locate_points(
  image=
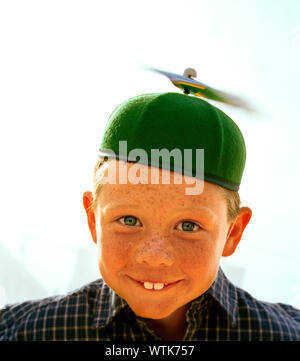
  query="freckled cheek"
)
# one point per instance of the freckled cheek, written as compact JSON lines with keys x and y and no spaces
{"x":114,"y":250}
{"x":196,"y":256}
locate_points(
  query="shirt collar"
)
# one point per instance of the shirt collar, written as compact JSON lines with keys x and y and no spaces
{"x":225,"y":293}
{"x":109,"y":304}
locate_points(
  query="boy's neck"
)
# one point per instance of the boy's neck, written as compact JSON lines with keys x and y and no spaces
{"x":171,"y":328}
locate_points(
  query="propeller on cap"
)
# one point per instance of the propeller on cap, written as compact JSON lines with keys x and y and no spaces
{"x":189,"y":85}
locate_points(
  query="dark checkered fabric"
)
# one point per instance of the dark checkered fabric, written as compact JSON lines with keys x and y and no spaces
{"x":95,"y":312}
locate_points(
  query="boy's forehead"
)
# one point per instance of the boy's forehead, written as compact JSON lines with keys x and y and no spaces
{"x":160,"y":194}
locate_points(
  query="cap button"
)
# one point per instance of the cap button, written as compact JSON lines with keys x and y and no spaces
{"x":190,"y":73}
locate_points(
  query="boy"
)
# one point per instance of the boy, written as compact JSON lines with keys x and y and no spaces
{"x":160,"y":239}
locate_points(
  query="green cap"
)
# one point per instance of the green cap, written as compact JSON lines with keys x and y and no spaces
{"x":178,"y":121}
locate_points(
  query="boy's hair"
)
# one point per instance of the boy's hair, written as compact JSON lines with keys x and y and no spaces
{"x":232,"y":197}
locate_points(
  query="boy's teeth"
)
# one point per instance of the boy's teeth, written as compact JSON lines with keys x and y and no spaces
{"x":148,"y":285}
{"x":156,"y":286}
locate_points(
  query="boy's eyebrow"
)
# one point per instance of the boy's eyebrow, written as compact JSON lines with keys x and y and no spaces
{"x":206,"y":212}
{"x":115,"y":205}
{"x":205,"y":209}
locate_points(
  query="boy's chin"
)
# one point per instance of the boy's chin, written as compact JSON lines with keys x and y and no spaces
{"x":155,"y":312}
{"x":152,"y":315}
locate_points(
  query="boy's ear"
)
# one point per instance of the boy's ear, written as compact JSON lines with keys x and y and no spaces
{"x":87,"y":203}
{"x":236,"y":230}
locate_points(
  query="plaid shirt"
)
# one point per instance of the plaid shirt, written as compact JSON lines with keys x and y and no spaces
{"x":95,"y":312}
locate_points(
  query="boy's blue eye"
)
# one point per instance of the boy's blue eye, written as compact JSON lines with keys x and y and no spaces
{"x":129,"y":220}
{"x":188,"y":226}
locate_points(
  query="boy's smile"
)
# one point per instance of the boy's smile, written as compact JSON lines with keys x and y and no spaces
{"x":155,"y":285}
{"x":159,"y":248}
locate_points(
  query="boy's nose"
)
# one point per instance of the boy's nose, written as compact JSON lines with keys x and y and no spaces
{"x":155,"y":253}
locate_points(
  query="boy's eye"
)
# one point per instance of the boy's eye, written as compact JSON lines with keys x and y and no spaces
{"x":188,"y":226}
{"x":129,"y":221}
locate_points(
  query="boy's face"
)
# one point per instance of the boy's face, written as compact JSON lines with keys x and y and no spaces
{"x":158,"y":234}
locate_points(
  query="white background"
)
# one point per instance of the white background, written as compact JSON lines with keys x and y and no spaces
{"x":64,"y":67}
